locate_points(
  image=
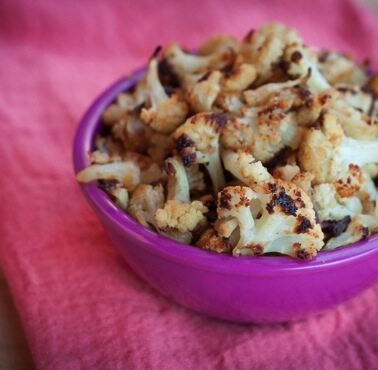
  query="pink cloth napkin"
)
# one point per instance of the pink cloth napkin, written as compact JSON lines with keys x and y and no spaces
{"x":80,"y":304}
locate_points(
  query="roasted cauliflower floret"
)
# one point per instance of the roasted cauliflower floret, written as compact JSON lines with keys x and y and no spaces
{"x":261,"y":95}
{"x":197,"y":142}
{"x":245,"y":167}
{"x":126,"y":172}
{"x":210,"y":240}
{"x":357,"y":113}
{"x":340,"y":69}
{"x":202,"y":95}
{"x":301,"y":62}
{"x":118,"y":193}
{"x":356,"y":230}
{"x":181,"y":179}
{"x":164,"y":113}
{"x":144,"y":202}
{"x":178,"y":220}
{"x":185,"y":63}
{"x":132,"y":132}
{"x":336,"y":212}
{"x":263,"y":131}
{"x":294,"y":174}
{"x":273,"y":217}
{"x":264,"y":48}
{"x":335,"y":158}
{"x":218,"y":44}
{"x":329,"y":205}
{"x":238,"y":78}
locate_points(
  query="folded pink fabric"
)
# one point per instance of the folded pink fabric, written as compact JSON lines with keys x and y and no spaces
{"x":81,"y":306}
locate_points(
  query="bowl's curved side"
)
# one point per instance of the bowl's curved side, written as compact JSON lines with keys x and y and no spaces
{"x":255,"y":297}
{"x":261,"y":289}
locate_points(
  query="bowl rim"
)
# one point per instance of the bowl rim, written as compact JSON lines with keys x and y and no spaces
{"x":186,"y":254}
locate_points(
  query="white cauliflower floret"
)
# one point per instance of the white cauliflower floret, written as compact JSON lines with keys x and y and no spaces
{"x":144,"y":202}
{"x":338,"y":68}
{"x":230,"y":102}
{"x":185,"y":63}
{"x":329,"y":205}
{"x":264,"y":48}
{"x":245,"y":167}
{"x":335,"y":158}
{"x":165,"y":113}
{"x":260,"y":95}
{"x":132,"y":132}
{"x":210,"y":240}
{"x":197,"y":142}
{"x":239,"y":78}
{"x":113,"y":114}
{"x":202,"y":95}
{"x":121,"y":196}
{"x":273,"y":217}
{"x":179,"y":220}
{"x":356,"y":112}
{"x":294,"y":174}
{"x":263,"y":131}
{"x":159,"y":147}
{"x":356,"y":230}
{"x":125,"y":172}
{"x":181,"y":180}
{"x":218,"y":44}
{"x":343,"y":220}
{"x":301,"y":62}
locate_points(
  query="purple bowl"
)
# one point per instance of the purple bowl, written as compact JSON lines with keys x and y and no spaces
{"x":240,"y":289}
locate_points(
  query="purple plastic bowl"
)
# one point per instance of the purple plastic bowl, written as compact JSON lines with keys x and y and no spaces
{"x":240,"y":289}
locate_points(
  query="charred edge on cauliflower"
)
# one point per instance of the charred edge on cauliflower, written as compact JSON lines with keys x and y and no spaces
{"x":333,"y":228}
{"x":282,"y":200}
{"x":301,"y":253}
{"x":211,"y":204}
{"x":218,"y":120}
{"x":296,"y":56}
{"x":304,"y":224}
{"x":168,"y":77}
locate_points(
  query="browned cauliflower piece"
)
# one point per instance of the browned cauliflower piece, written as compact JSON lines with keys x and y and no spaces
{"x":181,"y":180}
{"x":188,"y":64}
{"x":218,"y":44}
{"x":165,"y":112}
{"x":339,"y":68}
{"x":132,"y":132}
{"x":197,"y":142}
{"x":357,"y":112}
{"x":335,"y":158}
{"x":144,"y":202}
{"x":302,"y":62}
{"x":210,"y":240}
{"x":245,"y":167}
{"x":265,"y":47}
{"x":293,"y":173}
{"x":239,"y":78}
{"x":276,"y":216}
{"x":125,"y":172}
{"x":263,"y":131}
{"x":178,"y":220}
{"x":201,"y":96}
{"x":355,"y":231}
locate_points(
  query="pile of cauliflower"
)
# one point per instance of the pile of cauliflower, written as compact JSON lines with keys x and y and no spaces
{"x":252,"y":147}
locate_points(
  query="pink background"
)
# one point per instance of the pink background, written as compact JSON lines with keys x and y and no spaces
{"x":81,"y":306}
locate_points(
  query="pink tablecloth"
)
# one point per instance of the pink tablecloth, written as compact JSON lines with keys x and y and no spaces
{"x":81,"y":306}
